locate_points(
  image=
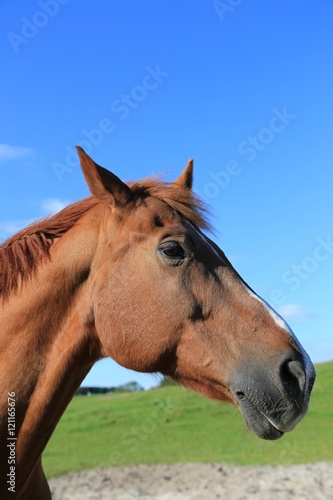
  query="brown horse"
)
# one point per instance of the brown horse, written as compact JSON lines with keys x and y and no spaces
{"x":128,"y":273}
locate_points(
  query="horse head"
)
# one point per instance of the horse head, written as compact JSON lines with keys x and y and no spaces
{"x":165,"y":298}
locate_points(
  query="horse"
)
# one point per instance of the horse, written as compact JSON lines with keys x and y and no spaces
{"x":130,"y":273}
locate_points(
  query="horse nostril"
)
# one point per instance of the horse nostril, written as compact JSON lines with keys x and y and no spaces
{"x":296,"y":369}
{"x":293,"y":375}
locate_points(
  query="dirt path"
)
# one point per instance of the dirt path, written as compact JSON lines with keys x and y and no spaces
{"x":198,"y":481}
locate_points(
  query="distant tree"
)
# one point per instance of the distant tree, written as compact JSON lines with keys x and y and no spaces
{"x":88,"y":391}
{"x":130,"y":387}
{"x":166,"y":382}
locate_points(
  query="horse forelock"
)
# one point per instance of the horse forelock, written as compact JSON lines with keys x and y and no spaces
{"x":21,"y":254}
{"x":186,"y":203}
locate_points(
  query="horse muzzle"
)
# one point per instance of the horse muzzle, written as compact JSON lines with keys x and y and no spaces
{"x":274,"y":399}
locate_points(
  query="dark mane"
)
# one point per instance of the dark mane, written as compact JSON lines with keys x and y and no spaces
{"x":20,"y":254}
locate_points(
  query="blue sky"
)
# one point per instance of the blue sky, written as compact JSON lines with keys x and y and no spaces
{"x":243,"y":87}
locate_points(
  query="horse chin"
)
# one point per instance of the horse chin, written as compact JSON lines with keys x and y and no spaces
{"x":259,"y":423}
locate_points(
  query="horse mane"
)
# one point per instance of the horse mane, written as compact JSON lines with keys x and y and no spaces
{"x":21,"y":253}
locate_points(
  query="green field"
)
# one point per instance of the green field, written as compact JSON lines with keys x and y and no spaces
{"x":172,"y":424}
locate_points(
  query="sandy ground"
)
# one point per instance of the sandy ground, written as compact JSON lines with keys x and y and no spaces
{"x":197,"y":481}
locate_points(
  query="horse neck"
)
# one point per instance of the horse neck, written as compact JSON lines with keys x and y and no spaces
{"x":48,"y":344}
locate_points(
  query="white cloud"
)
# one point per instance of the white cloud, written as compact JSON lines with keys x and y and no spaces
{"x":53,"y":205}
{"x":49,"y":206}
{"x":8,"y":152}
{"x":294,"y":311}
{"x":8,"y":228}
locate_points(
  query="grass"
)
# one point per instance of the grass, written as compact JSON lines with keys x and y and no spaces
{"x":174,"y":425}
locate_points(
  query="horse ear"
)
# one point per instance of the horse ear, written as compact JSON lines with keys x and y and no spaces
{"x":185,"y":180}
{"x":104,"y":185}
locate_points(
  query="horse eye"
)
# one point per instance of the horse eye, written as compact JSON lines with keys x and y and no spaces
{"x":172,"y":250}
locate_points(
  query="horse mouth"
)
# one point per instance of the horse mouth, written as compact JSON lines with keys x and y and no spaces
{"x":257,"y":419}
